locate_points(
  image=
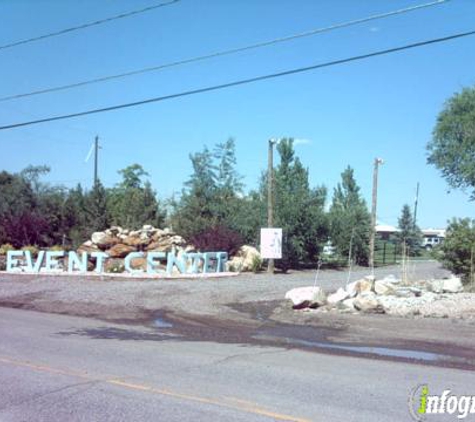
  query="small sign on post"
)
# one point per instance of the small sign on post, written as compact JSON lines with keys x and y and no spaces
{"x":271,"y":243}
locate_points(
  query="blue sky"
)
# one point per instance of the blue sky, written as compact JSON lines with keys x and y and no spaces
{"x":383,"y":107}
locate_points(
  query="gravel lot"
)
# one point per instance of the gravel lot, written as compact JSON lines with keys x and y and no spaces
{"x":234,"y":309}
{"x":125,"y":298}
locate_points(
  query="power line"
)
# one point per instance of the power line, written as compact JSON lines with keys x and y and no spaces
{"x":242,"y":81}
{"x":87,"y":25}
{"x":224,"y":52}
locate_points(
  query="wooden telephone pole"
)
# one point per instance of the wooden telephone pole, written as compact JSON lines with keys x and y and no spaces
{"x":270,"y":195}
{"x":377,"y":162}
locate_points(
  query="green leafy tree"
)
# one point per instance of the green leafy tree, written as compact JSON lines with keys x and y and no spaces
{"x":409,"y":234}
{"x":133,"y":202}
{"x":452,"y":148}
{"x":75,"y":217}
{"x":97,"y":215}
{"x":299,"y":210}
{"x":458,"y":248}
{"x":349,"y":219}
{"x":195,"y":210}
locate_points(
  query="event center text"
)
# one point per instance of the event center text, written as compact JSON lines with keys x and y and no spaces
{"x":156,"y":262}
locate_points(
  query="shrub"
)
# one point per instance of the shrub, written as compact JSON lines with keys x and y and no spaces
{"x":115,"y":267}
{"x":5,"y":248}
{"x":56,"y":248}
{"x":458,"y":249}
{"x":256,"y":265}
{"x":33,"y":249}
{"x":218,"y":239}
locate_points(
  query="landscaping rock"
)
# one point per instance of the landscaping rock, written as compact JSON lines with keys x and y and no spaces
{"x":339,"y":296}
{"x":103,"y":240}
{"x":452,"y":285}
{"x":351,"y":289}
{"x":245,"y":259}
{"x":382,"y":287}
{"x":365,"y":285}
{"x":368,"y":303}
{"x":120,"y":250}
{"x":306,"y":297}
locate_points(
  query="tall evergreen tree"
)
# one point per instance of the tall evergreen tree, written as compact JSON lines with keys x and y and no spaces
{"x":409,"y":234}
{"x":349,"y":219}
{"x":133,"y":203}
{"x":299,"y":210}
{"x":195,"y":211}
{"x":97,"y":215}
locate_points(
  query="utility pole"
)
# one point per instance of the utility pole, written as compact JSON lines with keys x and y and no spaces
{"x":377,"y":162}
{"x":96,"y":153}
{"x":270,"y":195}
{"x":415,"y":205}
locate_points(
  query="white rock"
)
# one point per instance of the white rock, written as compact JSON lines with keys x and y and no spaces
{"x":351,"y":289}
{"x":244,"y":259}
{"x":349,"y":303}
{"x":147,"y":227}
{"x":98,"y":237}
{"x":306,"y":296}
{"x":437,"y":286}
{"x":382,"y":287}
{"x":338,"y":296}
{"x":452,"y":285}
{"x":368,"y":302}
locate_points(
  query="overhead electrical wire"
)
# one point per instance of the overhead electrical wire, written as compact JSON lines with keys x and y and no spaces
{"x":242,"y":81}
{"x":225,"y":52}
{"x":87,"y":25}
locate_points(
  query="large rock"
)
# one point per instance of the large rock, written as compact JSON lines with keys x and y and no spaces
{"x":135,"y":240}
{"x":339,"y":296}
{"x":349,"y":304}
{"x":103,"y":240}
{"x":245,"y":259}
{"x":367,"y":302}
{"x":351,"y":289}
{"x":436,"y":286}
{"x":452,"y":285}
{"x":306,"y":297}
{"x":88,"y":247}
{"x":382,"y":287}
{"x":120,"y":250}
{"x":365,"y":285}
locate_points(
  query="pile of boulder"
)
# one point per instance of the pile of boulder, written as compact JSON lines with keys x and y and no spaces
{"x":118,"y":243}
{"x":388,"y":295}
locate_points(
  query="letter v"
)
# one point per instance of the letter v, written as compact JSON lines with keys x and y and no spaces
{"x":29,"y":261}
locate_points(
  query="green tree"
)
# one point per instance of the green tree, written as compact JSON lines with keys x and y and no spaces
{"x":409,"y":234}
{"x":349,"y":219}
{"x":458,"y":248}
{"x":195,"y":210}
{"x":133,"y":202}
{"x":97,"y":215}
{"x":75,"y":217}
{"x":452,"y":148}
{"x":299,"y":210}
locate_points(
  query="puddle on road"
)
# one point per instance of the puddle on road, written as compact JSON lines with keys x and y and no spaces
{"x":162,"y":323}
{"x":367,"y":350}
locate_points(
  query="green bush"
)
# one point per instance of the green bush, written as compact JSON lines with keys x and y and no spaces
{"x":256,"y":265}
{"x":458,"y":249}
{"x":33,"y":249}
{"x":5,"y":248}
{"x":116,"y":268}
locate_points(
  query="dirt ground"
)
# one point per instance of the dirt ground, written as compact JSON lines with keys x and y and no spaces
{"x":250,"y":308}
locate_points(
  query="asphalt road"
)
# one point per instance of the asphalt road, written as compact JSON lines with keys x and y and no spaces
{"x":64,"y":368}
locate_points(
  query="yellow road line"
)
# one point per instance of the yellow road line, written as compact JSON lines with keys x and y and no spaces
{"x":240,"y":405}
